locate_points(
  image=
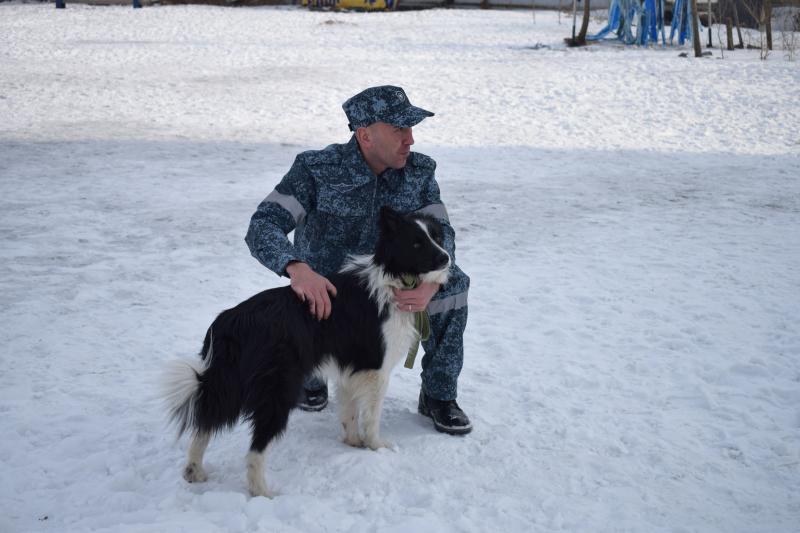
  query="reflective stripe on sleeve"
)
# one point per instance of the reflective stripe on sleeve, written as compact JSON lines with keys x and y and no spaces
{"x":449,"y":303}
{"x":289,"y":203}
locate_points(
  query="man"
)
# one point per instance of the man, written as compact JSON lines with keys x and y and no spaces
{"x":330,"y":198}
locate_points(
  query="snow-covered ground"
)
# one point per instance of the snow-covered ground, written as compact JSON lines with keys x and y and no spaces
{"x":630,"y":220}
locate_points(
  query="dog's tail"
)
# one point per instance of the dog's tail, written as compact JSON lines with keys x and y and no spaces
{"x":181,"y":388}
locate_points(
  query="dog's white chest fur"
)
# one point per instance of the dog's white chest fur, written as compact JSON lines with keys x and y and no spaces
{"x":398,"y":334}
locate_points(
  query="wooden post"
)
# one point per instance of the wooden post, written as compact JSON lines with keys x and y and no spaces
{"x":695,"y":21}
{"x":729,"y":31}
{"x":708,"y":21}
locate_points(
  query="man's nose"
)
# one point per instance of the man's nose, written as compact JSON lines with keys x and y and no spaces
{"x":409,"y":140}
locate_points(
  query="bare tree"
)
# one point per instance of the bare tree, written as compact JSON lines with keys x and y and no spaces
{"x":580,"y":39}
{"x":788,"y":21}
{"x":760,"y":11}
{"x":738,"y":24}
{"x":768,"y":21}
{"x":585,"y":22}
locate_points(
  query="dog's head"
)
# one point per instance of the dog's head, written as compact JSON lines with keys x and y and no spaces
{"x":412,"y":244}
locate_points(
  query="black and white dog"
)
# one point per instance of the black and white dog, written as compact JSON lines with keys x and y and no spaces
{"x":256,"y":355}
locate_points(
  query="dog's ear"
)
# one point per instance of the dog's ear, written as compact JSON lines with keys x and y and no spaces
{"x":390,"y":220}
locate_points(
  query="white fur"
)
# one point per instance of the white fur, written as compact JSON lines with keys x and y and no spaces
{"x":179,"y":386}
{"x":360,"y":396}
{"x":255,"y":475}
{"x":379,"y":283}
{"x":435,"y":276}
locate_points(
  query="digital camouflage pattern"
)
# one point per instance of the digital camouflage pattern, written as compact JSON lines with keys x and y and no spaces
{"x":331,"y":199}
{"x":386,"y":103}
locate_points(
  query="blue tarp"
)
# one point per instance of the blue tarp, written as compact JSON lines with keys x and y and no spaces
{"x":639,"y":22}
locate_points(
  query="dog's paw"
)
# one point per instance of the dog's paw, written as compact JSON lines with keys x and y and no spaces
{"x":194,"y":473}
{"x":376,"y":444}
{"x":355,"y":442}
{"x":260,"y":489}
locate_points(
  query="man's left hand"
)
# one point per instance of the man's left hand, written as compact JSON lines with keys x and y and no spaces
{"x":417,"y":299}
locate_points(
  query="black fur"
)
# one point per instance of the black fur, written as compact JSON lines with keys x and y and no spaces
{"x":262,"y":349}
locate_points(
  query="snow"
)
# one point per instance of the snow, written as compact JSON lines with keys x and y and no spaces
{"x":629,"y":219}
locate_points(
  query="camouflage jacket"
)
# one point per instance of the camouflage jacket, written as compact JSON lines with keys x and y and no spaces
{"x":331,"y":199}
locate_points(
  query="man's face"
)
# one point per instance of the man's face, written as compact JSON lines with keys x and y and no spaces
{"x":390,"y":146}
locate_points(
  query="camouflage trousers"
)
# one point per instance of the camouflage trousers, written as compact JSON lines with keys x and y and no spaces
{"x":444,"y":349}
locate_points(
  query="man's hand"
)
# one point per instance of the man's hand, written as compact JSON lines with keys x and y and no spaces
{"x":417,"y":299}
{"x":312,"y":288}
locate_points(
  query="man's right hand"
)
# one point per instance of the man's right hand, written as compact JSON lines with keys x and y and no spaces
{"x":312,"y":288}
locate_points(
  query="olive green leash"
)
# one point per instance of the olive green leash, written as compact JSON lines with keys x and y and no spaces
{"x":422,"y":322}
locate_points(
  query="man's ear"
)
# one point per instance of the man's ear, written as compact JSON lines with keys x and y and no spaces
{"x":363,"y":136}
{"x":389,"y":220}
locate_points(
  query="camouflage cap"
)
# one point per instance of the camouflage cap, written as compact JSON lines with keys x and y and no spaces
{"x":386,"y":103}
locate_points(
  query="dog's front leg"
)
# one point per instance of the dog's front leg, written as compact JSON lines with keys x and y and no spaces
{"x":371,"y":408}
{"x":348,"y":413}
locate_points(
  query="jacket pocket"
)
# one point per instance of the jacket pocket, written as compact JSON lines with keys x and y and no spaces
{"x":342,"y":223}
{"x":339,"y":200}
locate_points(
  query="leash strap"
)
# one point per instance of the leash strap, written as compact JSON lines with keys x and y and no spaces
{"x":422,"y":323}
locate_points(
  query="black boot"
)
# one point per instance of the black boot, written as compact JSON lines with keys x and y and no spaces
{"x":313,"y":400}
{"x":446,"y":414}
